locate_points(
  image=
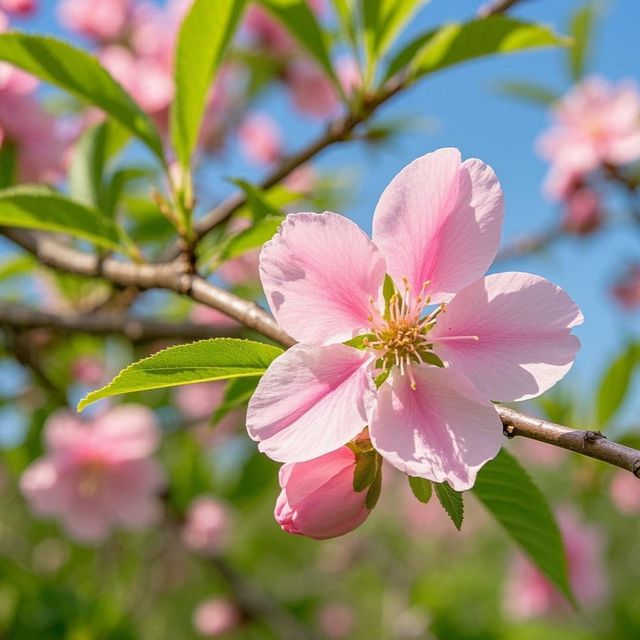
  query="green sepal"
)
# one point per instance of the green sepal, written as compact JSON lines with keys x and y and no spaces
{"x":421,"y":487}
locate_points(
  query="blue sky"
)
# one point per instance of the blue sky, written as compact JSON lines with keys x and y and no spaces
{"x":467,"y":112}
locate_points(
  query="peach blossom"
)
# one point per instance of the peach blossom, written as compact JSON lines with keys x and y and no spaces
{"x":625,"y":492}
{"x":208,"y":526}
{"x":215,"y":617}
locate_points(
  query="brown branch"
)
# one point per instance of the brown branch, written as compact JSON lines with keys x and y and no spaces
{"x":134,"y":329}
{"x":169,"y":275}
{"x":588,"y":443}
{"x":165,"y":276}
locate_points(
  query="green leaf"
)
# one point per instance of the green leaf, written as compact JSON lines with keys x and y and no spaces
{"x":461,"y":42}
{"x":204,"y":37}
{"x":236,"y":393}
{"x":451,"y":501}
{"x":580,"y":30}
{"x":374,"y":490}
{"x":421,"y":487}
{"x":366,"y":469}
{"x":33,"y":207}
{"x":383,"y":20}
{"x":529,"y":92}
{"x":260,"y":202}
{"x":347,"y":21}
{"x":91,"y":155}
{"x":8,"y":164}
{"x":508,"y":492}
{"x":15,"y":267}
{"x":203,"y":361}
{"x":301,"y":23}
{"x":79,"y":73}
{"x":615,"y":383}
{"x":251,"y":238}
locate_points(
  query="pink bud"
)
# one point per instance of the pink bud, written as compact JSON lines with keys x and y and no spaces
{"x":208,"y":526}
{"x":318,"y":499}
{"x":311,"y":90}
{"x":627,"y":290}
{"x":582,"y":212}
{"x":215,"y":617}
{"x":101,"y":20}
{"x":19,"y":7}
{"x":336,"y":621}
{"x":625,"y":493}
{"x":87,"y":370}
{"x":260,"y":139}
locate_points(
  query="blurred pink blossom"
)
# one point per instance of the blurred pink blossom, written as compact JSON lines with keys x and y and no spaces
{"x":98,"y":475}
{"x":202,"y":314}
{"x":529,"y":594}
{"x":19,"y":7}
{"x":242,"y":270}
{"x":318,"y":499}
{"x":208,"y":526}
{"x":215,"y":617}
{"x":101,"y":20}
{"x":625,"y":493}
{"x":336,"y":621}
{"x":87,"y":370}
{"x":40,"y":140}
{"x":312,"y":91}
{"x":595,"y":124}
{"x":147,"y":79}
{"x":260,"y":139}
{"x":583,"y":212}
{"x":626,"y":291}
{"x":199,"y":400}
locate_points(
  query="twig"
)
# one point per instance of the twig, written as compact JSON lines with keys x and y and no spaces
{"x":165,"y":276}
{"x":134,"y":329}
{"x":588,"y":443}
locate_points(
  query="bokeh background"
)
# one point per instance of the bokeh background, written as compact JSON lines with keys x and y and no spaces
{"x":406,"y":573}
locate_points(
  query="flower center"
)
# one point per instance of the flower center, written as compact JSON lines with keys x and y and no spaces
{"x":400,"y":334}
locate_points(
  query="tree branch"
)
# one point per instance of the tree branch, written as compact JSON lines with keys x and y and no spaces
{"x":167,"y":276}
{"x":588,"y":443}
{"x":134,"y":329}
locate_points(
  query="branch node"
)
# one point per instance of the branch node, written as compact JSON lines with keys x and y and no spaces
{"x":509,"y":431}
{"x":636,"y":468}
{"x":591,"y":437}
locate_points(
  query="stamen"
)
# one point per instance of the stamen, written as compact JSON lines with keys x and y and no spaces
{"x":450,"y":338}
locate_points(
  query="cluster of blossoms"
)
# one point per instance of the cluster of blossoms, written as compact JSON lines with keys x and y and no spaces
{"x":402,"y":335}
{"x":596,"y":128}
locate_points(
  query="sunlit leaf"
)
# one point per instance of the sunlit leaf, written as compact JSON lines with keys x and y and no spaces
{"x":615,"y":383}
{"x":508,"y":492}
{"x":461,"y":42}
{"x":203,"y":361}
{"x":79,"y":73}
{"x":204,"y":37}
{"x":581,"y":30}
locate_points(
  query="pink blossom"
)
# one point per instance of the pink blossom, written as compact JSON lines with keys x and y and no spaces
{"x":199,"y":400}
{"x":260,"y":139}
{"x":88,"y":370}
{"x":596,"y":123}
{"x":336,"y":621}
{"x":215,"y":617}
{"x":627,"y":290}
{"x":317,"y":498}
{"x":19,"y":7}
{"x":583,"y":212}
{"x":529,"y":594}
{"x":98,"y":475}
{"x":503,"y":337}
{"x":625,"y":493}
{"x":100,"y":20}
{"x":208,"y":526}
{"x":39,"y":139}
{"x":147,"y":79}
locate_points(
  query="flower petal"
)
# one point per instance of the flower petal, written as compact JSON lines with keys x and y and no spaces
{"x":439,"y":220}
{"x":523,"y":323}
{"x":441,"y":430}
{"x":128,"y":432}
{"x":319,"y":273}
{"x":311,"y":401}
